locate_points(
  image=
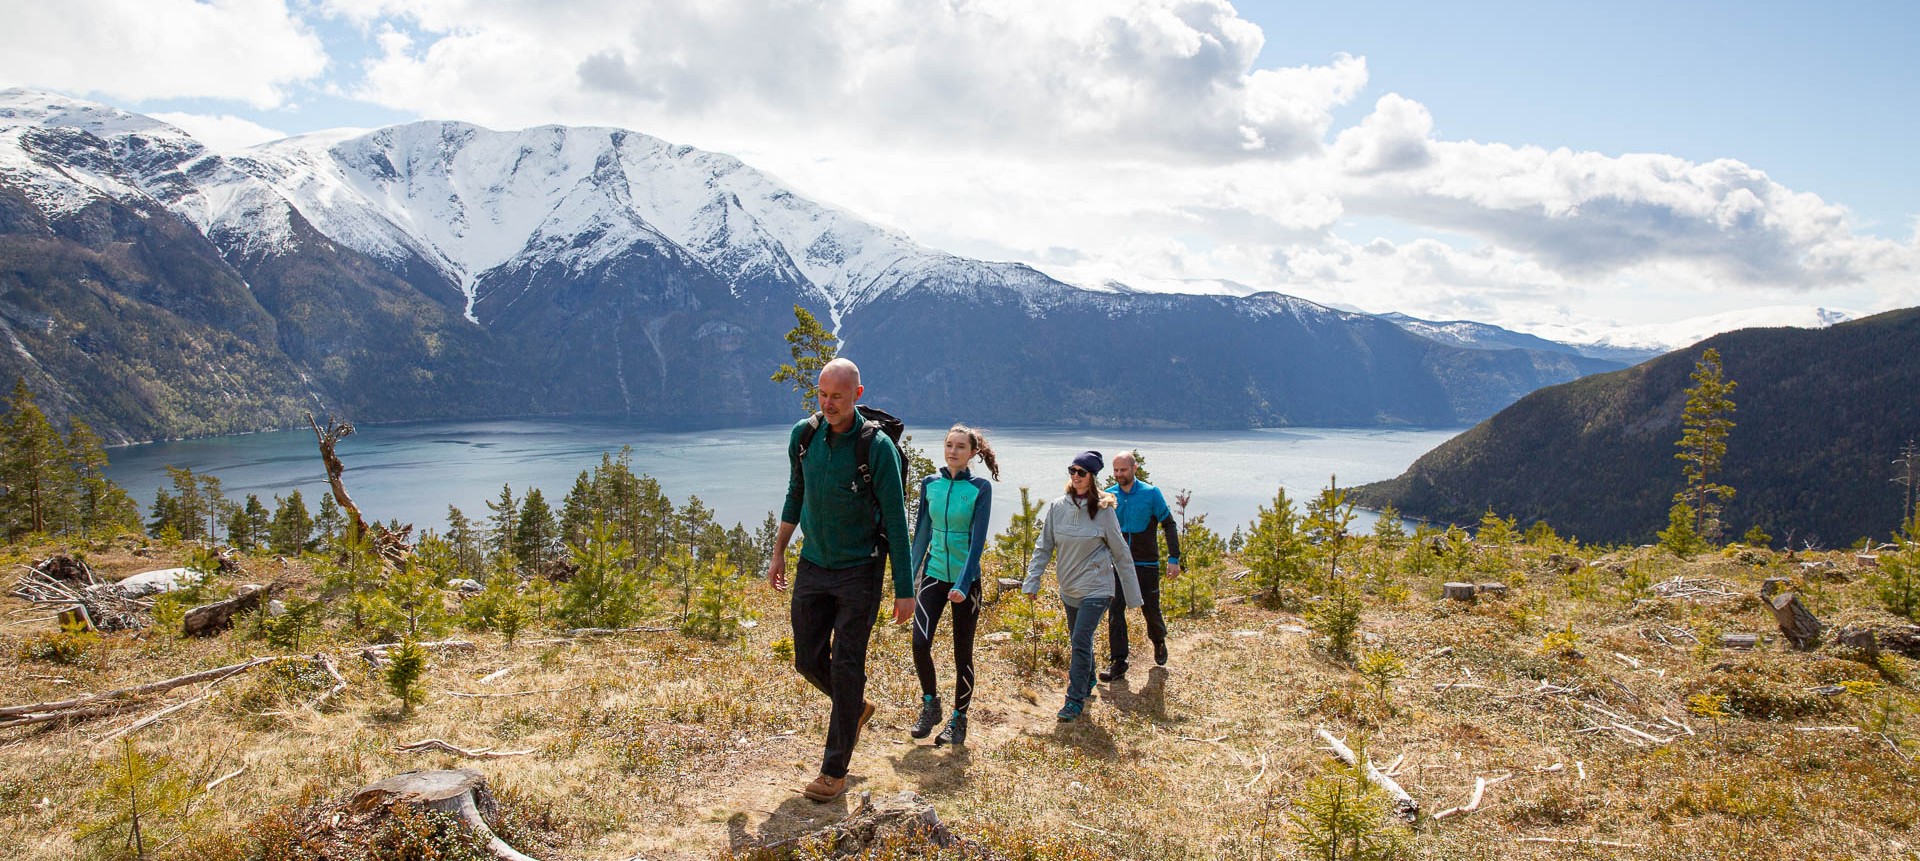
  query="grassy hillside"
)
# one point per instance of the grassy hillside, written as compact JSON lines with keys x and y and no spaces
{"x":1820,"y":415}
{"x":1581,"y":697}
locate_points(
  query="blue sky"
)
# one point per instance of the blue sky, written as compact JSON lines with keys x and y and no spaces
{"x":1557,"y":167}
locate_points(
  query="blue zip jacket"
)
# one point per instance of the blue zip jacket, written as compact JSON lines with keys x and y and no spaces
{"x":950,"y":532}
{"x":1140,"y":510}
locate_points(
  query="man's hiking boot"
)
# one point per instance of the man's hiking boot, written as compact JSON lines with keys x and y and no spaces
{"x":1160,"y":652}
{"x":1115,"y":670}
{"x":824,"y":788}
{"x":956,"y":732}
{"x":1071,"y":711}
{"x":929,"y":717}
{"x":866,"y":716}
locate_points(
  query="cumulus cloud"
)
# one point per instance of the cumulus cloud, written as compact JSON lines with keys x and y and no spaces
{"x":248,"y":51}
{"x":1167,"y":78}
{"x":221,"y":132}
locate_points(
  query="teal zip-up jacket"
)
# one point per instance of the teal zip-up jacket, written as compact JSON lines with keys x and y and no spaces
{"x":841,"y":521}
{"x":950,"y":531}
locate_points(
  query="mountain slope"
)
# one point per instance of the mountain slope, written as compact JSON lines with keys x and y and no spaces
{"x":438,"y":269}
{"x":1819,"y":416}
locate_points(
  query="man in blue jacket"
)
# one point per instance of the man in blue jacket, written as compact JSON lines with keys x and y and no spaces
{"x":1141,"y":508}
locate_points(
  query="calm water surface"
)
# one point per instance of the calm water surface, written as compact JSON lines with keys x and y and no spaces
{"x":414,"y":471}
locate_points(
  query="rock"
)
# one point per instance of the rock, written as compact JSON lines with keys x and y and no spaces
{"x":276,"y":608}
{"x":999,"y":636}
{"x":1459,"y":591}
{"x":1743,"y":642}
{"x":465,"y":586}
{"x":1497,"y":590}
{"x":1859,"y":637}
{"x":890,"y":825}
{"x":155,"y":582}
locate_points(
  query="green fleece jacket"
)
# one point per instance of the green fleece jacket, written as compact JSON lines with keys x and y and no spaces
{"x":840,"y":520}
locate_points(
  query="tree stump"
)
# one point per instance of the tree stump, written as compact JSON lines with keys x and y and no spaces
{"x":1459,"y":591}
{"x":1772,"y":587}
{"x":1859,"y":637}
{"x":209,"y":619}
{"x":1796,"y":621}
{"x":461,"y":792}
{"x":873,"y":826}
{"x":1744,"y":642}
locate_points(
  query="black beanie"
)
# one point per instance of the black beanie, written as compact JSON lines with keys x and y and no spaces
{"x":1090,"y":461}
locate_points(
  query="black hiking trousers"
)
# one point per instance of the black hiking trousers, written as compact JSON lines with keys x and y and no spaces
{"x":833,"y":612}
{"x":1149,"y":576}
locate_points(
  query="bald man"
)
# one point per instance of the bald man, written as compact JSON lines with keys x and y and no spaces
{"x":836,"y":589}
{"x":1141,"y":507}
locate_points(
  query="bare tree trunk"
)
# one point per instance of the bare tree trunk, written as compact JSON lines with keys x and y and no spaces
{"x":391,"y":545}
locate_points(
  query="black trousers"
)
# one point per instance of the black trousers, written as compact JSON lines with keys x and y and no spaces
{"x":928,"y":604}
{"x":833,"y":613}
{"x":1117,"y":650}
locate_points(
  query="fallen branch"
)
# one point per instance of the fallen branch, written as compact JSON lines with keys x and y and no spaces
{"x":224,"y":778}
{"x":1581,"y":766}
{"x":1473,"y":802}
{"x":7,"y":712}
{"x":1404,"y":805}
{"x":465,"y":695}
{"x":1090,"y":828}
{"x":1826,"y":729}
{"x":477,"y":753}
{"x":1579,"y":842}
{"x":375,"y":655}
{"x":339,"y":682}
{"x":1648,"y":736}
{"x":490,"y":678}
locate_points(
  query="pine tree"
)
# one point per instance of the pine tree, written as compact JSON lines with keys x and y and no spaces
{"x":183,"y":511}
{"x":34,"y":468}
{"x":1388,"y":530}
{"x":292,"y":528}
{"x":406,"y":674}
{"x":504,"y":521}
{"x":101,"y":507}
{"x":215,"y":501}
{"x":249,"y":526}
{"x":329,"y":522}
{"x":1012,"y":548}
{"x":812,"y":347}
{"x":606,"y":592}
{"x":138,"y":797}
{"x":537,"y":531}
{"x":467,"y":551}
{"x":717,"y":612}
{"x":1275,"y":550}
{"x":1703,"y":444}
{"x":1327,"y":521}
{"x":579,"y":509}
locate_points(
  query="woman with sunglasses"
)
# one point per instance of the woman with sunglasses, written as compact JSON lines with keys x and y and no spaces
{"x":1080,"y":534}
{"x":949,"y":534}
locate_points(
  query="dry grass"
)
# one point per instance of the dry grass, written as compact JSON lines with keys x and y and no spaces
{"x":671,"y":747}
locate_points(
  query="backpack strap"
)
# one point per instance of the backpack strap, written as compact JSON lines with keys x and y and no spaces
{"x":806,"y":433}
{"x":863,"y":456}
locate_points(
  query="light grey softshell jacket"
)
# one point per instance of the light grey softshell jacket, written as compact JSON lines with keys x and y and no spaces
{"x":1086,"y":550}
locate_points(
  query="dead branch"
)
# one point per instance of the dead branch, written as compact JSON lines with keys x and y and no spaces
{"x":477,"y":753}
{"x":390,"y":545}
{"x":377,"y":654}
{"x":339,"y":682}
{"x":1579,"y":842}
{"x":1404,"y":805}
{"x":465,"y":695}
{"x":1473,"y":801}
{"x":224,"y":778}
{"x":138,"y":690}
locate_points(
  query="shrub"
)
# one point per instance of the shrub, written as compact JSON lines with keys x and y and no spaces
{"x":406,"y":674}
{"x":72,"y":644}
{"x":1337,"y":617}
{"x":1341,"y":817}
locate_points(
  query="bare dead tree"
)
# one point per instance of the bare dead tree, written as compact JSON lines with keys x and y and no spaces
{"x":1909,"y":464}
{"x":391,"y":545}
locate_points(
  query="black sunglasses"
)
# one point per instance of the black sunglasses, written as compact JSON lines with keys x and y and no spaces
{"x":1074,"y":470}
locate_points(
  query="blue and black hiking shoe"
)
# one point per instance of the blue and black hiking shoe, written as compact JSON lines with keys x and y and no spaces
{"x":929,"y":716}
{"x":956,"y":732}
{"x":1071,"y":711}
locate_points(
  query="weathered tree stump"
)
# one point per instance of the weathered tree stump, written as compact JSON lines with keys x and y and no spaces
{"x":1744,"y":642}
{"x":1459,"y":591}
{"x":871,"y":825}
{"x":461,"y":792}
{"x":210,"y":619}
{"x":1796,"y":621}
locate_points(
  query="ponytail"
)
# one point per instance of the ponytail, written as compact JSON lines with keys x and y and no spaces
{"x":982,"y":449}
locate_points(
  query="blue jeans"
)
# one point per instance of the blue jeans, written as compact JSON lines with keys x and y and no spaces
{"x":1082,"y":622}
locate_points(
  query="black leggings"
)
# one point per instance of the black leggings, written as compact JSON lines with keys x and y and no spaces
{"x":926,"y":615}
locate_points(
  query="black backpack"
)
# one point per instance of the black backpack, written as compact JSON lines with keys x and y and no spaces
{"x":877,"y":421}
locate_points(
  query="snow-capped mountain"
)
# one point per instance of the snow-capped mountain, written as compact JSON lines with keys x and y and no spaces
{"x":439,"y":268}
{"x":1661,"y":338}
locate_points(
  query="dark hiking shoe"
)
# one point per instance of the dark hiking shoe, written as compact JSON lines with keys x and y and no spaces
{"x":1115,"y":670}
{"x":1160,"y":652}
{"x":956,"y":732}
{"x":1071,"y":711}
{"x":929,"y":717}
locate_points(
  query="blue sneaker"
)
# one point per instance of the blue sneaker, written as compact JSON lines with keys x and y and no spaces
{"x":1071,"y":711}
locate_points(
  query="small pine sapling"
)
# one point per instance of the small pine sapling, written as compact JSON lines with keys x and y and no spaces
{"x":1337,"y":617}
{"x":1381,"y":668}
{"x":138,"y":800}
{"x":406,"y":674}
{"x":1339,"y":816}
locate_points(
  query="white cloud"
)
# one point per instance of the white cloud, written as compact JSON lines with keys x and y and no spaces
{"x":222,"y":132}
{"x":1170,"y":79}
{"x":244,"y":50}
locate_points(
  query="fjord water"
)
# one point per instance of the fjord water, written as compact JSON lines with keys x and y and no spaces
{"x":414,"y":471}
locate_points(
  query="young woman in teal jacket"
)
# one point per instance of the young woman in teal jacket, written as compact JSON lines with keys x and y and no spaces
{"x":949,"y":534}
